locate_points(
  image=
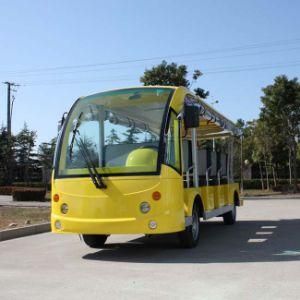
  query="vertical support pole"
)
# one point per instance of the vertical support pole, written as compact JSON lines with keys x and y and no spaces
{"x":195,"y":157}
{"x":242,"y":173}
{"x":228,"y":160}
{"x":230,"y":171}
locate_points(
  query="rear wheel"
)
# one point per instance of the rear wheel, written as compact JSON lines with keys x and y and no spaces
{"x":230,"y":217}
{"x":189,"y":238}
{"x":95,"y":240}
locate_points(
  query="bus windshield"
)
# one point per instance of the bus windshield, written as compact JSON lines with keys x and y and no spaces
{"x":118,"y":132}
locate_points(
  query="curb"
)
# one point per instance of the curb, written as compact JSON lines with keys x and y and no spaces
{"x":9,"y":234}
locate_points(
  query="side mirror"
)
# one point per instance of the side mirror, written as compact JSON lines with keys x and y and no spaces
{"x":61,"y":122}
{"x":191,"y":115}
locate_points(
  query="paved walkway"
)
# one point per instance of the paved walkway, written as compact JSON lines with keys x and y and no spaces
{"x":8,"y":201}
{"x":257,"y":258}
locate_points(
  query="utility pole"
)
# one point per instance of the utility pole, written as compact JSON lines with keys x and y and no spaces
{"x":9,"y":110}
{"x":9,"y":115}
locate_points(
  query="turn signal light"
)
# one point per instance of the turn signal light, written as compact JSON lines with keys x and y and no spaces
{"x":156,"y":195}
{"x":55,"y":197}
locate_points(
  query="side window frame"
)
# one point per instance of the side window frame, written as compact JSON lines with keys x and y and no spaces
{"x":178,"y":139}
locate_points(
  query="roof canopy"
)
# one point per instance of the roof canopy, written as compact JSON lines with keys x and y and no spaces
{"x":212,"y":123}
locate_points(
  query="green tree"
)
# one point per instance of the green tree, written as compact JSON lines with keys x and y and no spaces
{"x":24,"y":152}
{"x":131,"y":135}
{"x":262,"y":150}
{"x":45,"y":157}
{"x":6,"y":162}
{"x":46,"y":153}
{"x":173,"y":75}
{"x":112,"y":138}
{"x":281,"y":112}
{"x":247,"y":144}
{"x":247,"y":129}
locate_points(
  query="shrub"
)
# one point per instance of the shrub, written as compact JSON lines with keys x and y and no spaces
{"x":255,"y":184}
{"x":29,"y":194}
{"x":6,"y":190}
{"x":32,"y":184}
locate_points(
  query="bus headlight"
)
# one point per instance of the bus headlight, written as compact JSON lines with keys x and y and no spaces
{"x":64,"y":208}
{"x":144,"y":207}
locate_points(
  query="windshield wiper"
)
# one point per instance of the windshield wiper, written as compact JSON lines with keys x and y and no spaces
{"x":95,"y":176}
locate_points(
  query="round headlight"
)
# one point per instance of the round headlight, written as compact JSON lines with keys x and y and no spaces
{"x":64,"y":208}
{"x":144,"y":207}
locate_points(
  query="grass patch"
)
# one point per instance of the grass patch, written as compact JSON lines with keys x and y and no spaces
{"x":22,"y":215}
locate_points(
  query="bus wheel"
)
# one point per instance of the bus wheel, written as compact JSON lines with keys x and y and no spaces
{"x":230,"y":217}
{"x":95,"y":240}
{"x":190,"y":236}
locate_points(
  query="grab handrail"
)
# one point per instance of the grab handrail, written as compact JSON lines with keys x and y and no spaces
{"x":206,"y":175}
{"x":219,"y":177}
{"x":187,"y":175}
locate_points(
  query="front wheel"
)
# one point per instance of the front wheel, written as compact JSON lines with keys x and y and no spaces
{"x":189,"y":238}
{"x":230,"y":217}
{"x":95,"y":240}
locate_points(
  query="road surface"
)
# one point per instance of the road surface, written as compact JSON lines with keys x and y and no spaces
{"x":258,"y":258}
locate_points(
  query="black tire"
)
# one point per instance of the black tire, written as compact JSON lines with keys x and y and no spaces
{"x":95,"y":240}
{"x":230,"y":217}
{"x":189,"y":238}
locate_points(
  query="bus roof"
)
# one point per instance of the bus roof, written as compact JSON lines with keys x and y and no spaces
{"x":212,"y":123}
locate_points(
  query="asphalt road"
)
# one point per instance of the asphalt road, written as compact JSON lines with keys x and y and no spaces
{"x":258,"y":258}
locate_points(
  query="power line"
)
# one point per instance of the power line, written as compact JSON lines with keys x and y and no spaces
{"x":142,"y":65}
{"x":229,"y":49}
{"x":229,"y":69}
{"x":253,"y":68}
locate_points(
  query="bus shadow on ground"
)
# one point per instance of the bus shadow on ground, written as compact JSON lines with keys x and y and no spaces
{"x":246,"y":241}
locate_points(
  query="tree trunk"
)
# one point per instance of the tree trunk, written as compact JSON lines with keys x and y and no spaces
{"x":267,"y":175}
{"x":294,"y":161}
{"x":274,"y":177}
{"x":261,"y":177}
{"x":290,"y":166}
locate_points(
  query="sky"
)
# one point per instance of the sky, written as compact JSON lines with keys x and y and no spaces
{"x":60,"y":50}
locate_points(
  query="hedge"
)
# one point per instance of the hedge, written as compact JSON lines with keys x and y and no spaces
{"x":8,"y":190}
{"x":281,"y":184}
{"x":32,"y":184}
{"x":29,"y":194}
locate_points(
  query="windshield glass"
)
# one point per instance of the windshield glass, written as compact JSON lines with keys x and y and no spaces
{"x":119,"y":130}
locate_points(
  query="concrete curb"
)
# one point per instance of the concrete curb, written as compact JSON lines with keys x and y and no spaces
{"x":9,"y":234}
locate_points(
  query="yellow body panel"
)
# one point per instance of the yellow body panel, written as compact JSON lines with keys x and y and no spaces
{"x":212,"y":197}
{"x":117,"y":208}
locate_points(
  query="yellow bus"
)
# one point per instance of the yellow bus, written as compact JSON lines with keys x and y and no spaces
{"x":145,"y":160}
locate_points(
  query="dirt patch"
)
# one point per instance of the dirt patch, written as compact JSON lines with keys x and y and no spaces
{"x":22,"y":216}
